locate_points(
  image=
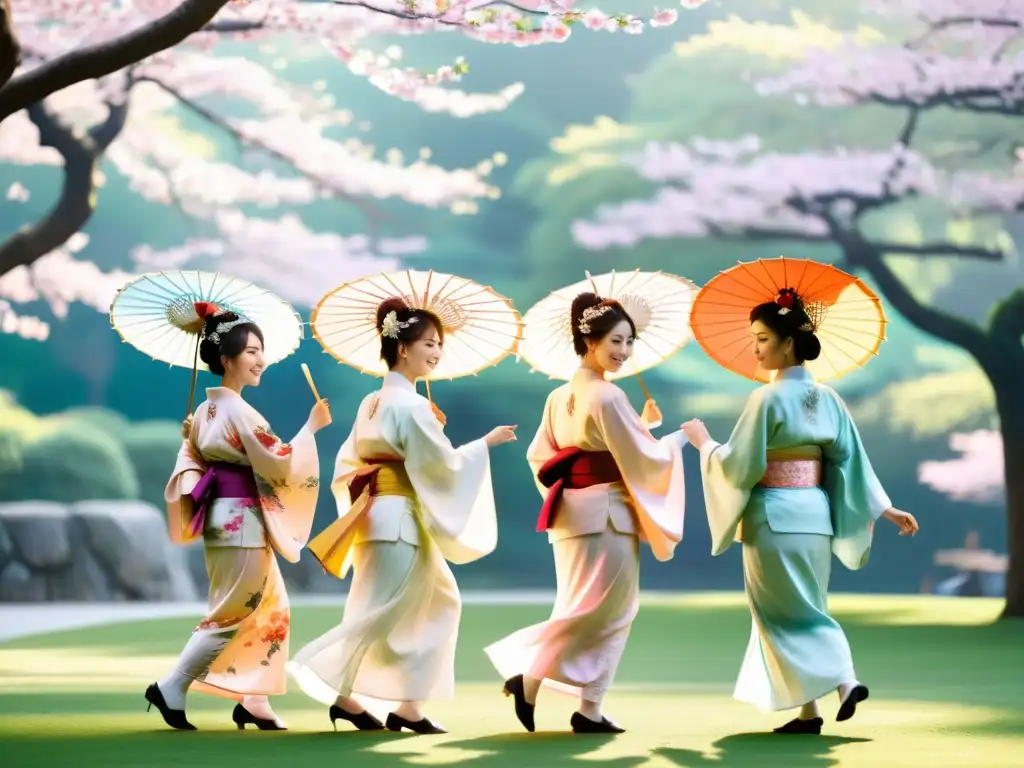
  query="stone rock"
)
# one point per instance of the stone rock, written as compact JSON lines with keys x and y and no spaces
{"x":90,"y":551}
{"x":19,"y":585}
{"x":39,"y":530}
{"x":6,"y":547}
{"x":130,"y":539}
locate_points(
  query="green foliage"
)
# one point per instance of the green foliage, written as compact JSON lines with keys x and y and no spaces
{"x":153,"y":448}
{"x":75,"y":463}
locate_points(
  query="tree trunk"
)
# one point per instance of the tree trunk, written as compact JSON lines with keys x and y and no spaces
{"x":1010,"y":406}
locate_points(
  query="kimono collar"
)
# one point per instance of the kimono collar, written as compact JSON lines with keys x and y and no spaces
{"x":393,"y":379}
{"x":795,"y":373}
{"x":214,"y":393}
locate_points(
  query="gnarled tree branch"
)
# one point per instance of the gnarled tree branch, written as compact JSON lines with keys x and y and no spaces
{"x":77,"y":200}
{"x":10,"y":50}
{"x":105,"y":58}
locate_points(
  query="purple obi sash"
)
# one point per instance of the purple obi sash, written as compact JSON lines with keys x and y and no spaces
{"x":221,"y":481}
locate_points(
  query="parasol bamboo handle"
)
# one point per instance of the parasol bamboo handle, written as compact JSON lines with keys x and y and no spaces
{"x":195,"y":372}
{"x":309,"y":380}
{"x":639,"y":378}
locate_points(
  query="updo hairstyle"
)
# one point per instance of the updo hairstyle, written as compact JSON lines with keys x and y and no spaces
{"x":228,"y":342}
{"x":411,"y":325}
{"x":608,"y":313}
{"x":787,"y":318}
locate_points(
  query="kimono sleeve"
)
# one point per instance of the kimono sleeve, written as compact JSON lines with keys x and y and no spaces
{"x":453,"y":485}
{"x":543,"y":446}
{"x":288,"y":478}
{"x":731,"y":470}
{"x":652,"y":470}
{"x":855,"y":495}
{"x":188,"y":471}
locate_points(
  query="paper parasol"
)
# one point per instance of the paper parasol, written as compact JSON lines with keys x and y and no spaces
{"x":848,"y":316}
{"x":659,"y":304}
{"x":157,"y":314}
{"x":481,"y":327}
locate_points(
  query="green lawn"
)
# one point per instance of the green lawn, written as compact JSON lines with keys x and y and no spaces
{"x":947,"y":689}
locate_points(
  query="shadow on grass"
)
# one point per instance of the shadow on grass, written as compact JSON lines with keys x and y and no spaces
{"x":353,"y":749}
{"x":763,"y":750}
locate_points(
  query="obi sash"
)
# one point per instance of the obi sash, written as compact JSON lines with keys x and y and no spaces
{"x":379,"y":477}
{"x":573,"y":468}
{"x":220,"y":481}
{"x":798,"y":467}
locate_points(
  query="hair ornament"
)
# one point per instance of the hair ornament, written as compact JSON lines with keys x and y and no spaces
{"x":391,"y":326}
{"x":589,"y":315}
{"x":223,"y":328}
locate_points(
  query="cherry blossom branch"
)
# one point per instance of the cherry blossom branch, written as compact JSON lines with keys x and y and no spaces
{"x":82,"y":154}
{"x":10,"y":51}
{"x":859,"y":252}
{"x":107,"y":57}
{"x":1007,"y":321}
{"x":373,"y":215}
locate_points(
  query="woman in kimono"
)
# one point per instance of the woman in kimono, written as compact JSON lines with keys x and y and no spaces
{"x":247,"y":494}
{"x":794,"y":485}
{"x":608,"y":485}
{"x":408,"y":502}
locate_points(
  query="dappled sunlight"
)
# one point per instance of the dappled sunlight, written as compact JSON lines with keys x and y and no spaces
{"x":94,"y":669}
{"x":775,"y":41}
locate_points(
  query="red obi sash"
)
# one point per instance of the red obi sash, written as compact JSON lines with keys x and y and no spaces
{"x":573,"y":468}
{"x":220,"y":481}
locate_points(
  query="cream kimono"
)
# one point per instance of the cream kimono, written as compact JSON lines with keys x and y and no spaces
{"x":428,"y":503}
{"x":794,"y":485}
{"x":595,"y":536}
{"x":263,"y":498}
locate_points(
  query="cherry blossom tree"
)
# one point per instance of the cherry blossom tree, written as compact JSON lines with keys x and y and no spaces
{"x":963,"y":55}
{"x":95,"y":82}
{"x":977,"y":475}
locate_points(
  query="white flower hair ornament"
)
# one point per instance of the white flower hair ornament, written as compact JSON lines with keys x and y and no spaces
{"x":391,"y":326}
{"x":223,"y":328}
{"x":589,"y":315}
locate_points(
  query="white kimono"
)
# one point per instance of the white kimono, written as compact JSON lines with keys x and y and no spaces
{"x":595,"y":536}
{"x":241,"y":647}
{"x":396,"y":640}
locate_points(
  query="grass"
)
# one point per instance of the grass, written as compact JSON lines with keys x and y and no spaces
{"x":947,"y":689}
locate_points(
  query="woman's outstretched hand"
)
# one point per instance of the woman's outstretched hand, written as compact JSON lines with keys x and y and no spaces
{"x":500,"y":435}
{"x":902,"y":520}
{"x":696,"y":433}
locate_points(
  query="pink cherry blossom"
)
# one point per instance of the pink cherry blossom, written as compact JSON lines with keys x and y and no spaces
{"x":294,"y":125}
{"x":977,"y":475}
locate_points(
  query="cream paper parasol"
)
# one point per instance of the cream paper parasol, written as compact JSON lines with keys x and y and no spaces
{"x":658,"y":302}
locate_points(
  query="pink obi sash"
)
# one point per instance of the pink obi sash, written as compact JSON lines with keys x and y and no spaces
{"x":220,"y":481}
{"x":792,"y":473}
{"x":573,"y":468}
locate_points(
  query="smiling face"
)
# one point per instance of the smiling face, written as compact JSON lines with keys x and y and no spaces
{"x":771,"y":352}
{"x":420,"y":357}
{"x":612,"y":351}
{"x":247,"y":367}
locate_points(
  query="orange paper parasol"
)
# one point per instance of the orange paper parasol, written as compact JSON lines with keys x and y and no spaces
{"x":848,"y":317}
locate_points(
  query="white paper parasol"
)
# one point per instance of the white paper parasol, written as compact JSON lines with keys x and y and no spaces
{"x":156,"y":313}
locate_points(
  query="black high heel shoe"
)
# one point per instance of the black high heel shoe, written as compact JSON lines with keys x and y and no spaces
{"x":848,"y":707}
{"x":524,"y":709}
{"x":422,"y":727}
{"x":583,"y":724}
{"x":364,"y":721}
{"x":173,"y":717}
{"x":244,"y":717}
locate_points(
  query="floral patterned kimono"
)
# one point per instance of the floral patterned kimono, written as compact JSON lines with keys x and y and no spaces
{"x":408,"y":503}
{"x":608,"y":485}
{"x":795,"y":486}
{"x":247,"y":494}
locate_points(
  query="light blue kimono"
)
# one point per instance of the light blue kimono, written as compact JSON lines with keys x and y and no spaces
{"x":797,"y":652}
